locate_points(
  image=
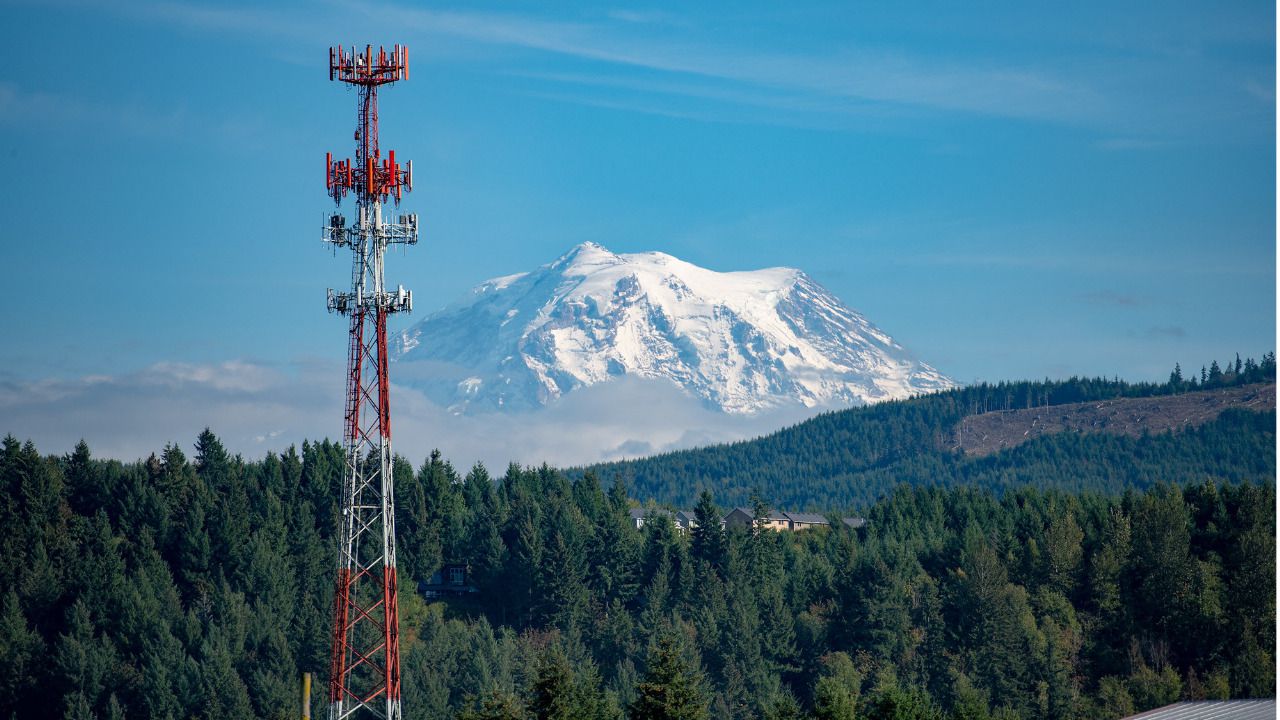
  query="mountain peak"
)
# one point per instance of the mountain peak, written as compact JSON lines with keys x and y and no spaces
{"x":741,"y":341}
{"x":584,"y":252}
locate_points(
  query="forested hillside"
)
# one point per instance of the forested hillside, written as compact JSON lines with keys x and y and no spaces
{"x":177,"y":588}
{"x":996,"y":430}
{"x":850,"y":458}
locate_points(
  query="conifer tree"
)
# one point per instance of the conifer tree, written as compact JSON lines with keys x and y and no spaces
{"x":672,"y":685}
{"x":85,"y":489}
{"x":708,"y":535}
{"x":837,"y":689}
{"x":498,"y":705}
{"x":21,"y":650}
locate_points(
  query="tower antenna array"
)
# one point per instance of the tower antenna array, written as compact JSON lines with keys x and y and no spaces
{"x":364,"y":673}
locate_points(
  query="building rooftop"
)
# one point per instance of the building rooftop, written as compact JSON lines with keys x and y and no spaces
{"x":810,"y":518}
{"x":773,"y":515}
{"x":1212,"y":710}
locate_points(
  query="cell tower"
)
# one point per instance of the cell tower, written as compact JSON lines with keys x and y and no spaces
{"x":365,"y":666}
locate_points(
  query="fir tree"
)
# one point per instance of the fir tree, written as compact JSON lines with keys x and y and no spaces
{"x":672,"y":685}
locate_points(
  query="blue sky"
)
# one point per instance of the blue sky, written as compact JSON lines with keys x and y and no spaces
{"x":1011,"y":190}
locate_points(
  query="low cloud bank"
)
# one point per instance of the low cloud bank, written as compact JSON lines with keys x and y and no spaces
{"x":255,"y":407}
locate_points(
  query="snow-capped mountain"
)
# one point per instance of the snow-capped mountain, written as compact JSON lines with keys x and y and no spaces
{"x":740,"y":341}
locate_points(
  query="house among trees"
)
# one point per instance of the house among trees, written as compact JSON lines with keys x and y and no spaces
{"x":804,"y":521}
{"x":743,"y":517}
{"x":684,"y":520}
{"x":784,"y":520}
{"x":450,"y":579}
{"x":638,"y":515}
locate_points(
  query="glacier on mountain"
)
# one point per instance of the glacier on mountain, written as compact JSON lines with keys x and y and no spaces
{"x":741,"y":342}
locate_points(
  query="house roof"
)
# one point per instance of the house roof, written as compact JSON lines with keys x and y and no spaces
{"x":809,"y":518}
{"x":1212,"y":710}
{"x":773,"y":515}
{"x":854,"y":522}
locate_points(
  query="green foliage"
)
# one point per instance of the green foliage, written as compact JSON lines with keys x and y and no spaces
{"x":1114,"y":699}
{"x":672,"y":685}
{"x":835,"y":695}
{"x":851,"y":458}
{"x":202,"y":588}
{"x":1154,"y":688}
{"x":559,"y":693}
{"x":20,"y":652}
{"x":497,"y":706}
{"x":891,"y":701}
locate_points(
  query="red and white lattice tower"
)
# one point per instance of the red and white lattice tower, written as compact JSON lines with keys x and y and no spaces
{"x":364,"y":675}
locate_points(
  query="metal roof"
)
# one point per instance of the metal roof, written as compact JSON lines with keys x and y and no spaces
{"x":1212,"y":710}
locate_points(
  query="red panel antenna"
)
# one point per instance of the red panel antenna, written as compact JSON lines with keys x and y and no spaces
{"x":364,"y":675}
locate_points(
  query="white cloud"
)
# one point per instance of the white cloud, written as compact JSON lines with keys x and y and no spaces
{"x":854,"y":74}
{"x":254,"y":408}
{"x":22,"y":106}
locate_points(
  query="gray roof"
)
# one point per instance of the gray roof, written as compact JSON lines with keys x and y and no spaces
{"x":772,"y":515}
{"x":854,"y":522}
{"x":1212,"y":710}
{"x":812,"y":518}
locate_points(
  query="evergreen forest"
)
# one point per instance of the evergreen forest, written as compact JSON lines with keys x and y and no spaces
{"x":200,"y":587}
{"x":850,"y":458}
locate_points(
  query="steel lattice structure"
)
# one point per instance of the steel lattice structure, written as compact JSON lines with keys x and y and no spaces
{"x":365,"y":666}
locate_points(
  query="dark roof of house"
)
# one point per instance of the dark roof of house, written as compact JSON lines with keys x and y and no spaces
{"x":773,"y":514}
{"x":1212,"y":710}
{"x":809,"y":518}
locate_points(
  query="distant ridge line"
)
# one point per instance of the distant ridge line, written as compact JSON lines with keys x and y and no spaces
{"x":991,"y":432}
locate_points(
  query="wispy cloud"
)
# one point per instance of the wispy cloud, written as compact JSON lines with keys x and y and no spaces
{"x":21,"y":106}
{"x":992,"y":259}
{"x":708,"y":99}
{"x":1166,"y":331}
{"x":1129,"y":143}
{"x":1265,"y":93}
{"x":255,"y":407}
{"x":1120,"y":94}
{"x":130,"y":415}
{"x":648,"y":17}
{"x":240,"y":19}
{"x":24,"y":107}
{"x":627,"y":39}
{"x":855,"y":74}
{"x":1111,"y":298}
